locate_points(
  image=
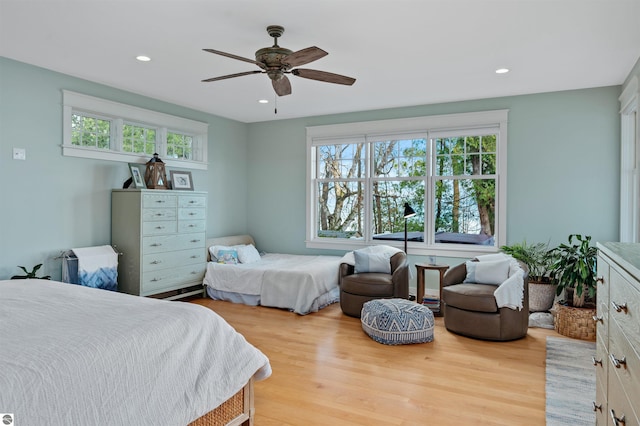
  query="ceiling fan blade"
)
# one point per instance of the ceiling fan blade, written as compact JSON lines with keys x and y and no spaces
{"x":282,"y":86}
{"x":328,"y":77}
{"x":304,"y":56}
{"x":224,"y":77}
{"x":232,"y":56}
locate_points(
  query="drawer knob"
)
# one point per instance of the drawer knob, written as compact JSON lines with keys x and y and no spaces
{"x":617,"y":420}
{"x":597,"y":407}
{"x":159,"y":227}
{"x":159,"y":214}
{"x":159,"y":201}
{"x":192,"y":202}
{"x":596,"y":361}
{"x":156,"y":279}
{"x":597,"y":318}
{"x":192,"y":226}
{"x":619,"y":308}
{"x":156,"y":262}
{"x":600,"y":279}
{"x":156,"y":245}
{"x":617,"y":363}
{"x":192,"y":214}
{"x":195,"y":241}
{"x":194,"y":257}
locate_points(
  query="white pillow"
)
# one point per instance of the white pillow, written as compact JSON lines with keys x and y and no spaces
{"x":487,"y":272}
{"x":371,"y":262}
{"x":248,"y":254}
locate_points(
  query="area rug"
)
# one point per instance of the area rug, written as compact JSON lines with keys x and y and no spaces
{"x":570,"y":382}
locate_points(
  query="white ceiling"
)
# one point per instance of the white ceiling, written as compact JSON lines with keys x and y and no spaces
{"x":402,"y":52}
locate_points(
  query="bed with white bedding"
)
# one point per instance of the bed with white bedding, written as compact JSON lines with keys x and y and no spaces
{"x":74,"y":355}
{"x":299,"y":283}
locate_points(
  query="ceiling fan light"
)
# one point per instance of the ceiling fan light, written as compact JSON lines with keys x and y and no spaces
{"x":502,"y":70}
{"x":143,"y":58}
{"x":263,"y":101}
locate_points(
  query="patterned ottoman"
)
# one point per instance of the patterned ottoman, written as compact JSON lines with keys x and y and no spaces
{"x":397,"y":321}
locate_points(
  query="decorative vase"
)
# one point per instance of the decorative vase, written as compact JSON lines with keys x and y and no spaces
{"x":541,"y":296}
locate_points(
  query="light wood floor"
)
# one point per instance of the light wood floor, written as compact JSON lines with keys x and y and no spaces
{"x":326,"y":371}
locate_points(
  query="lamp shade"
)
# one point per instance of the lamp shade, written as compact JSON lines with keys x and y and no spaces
{"x":408,"y":211}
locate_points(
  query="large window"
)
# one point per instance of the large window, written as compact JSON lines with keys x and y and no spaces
{"x":450,"y":169}
{"x":101,"y":129}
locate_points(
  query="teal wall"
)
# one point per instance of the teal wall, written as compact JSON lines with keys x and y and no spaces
{"x":50,"y":203}
{"x":563,"y":167}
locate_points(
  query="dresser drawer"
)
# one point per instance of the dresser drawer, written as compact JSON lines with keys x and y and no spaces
{"x":191,"y":226}
{"x":170,"y":259}
{"x":158,"y":214}
{"x":627,"y":298}
{"x":192,"y":201}
{"x":159,"y":200}
{"x":600,"y":404}
{"x":159,"y":227}
{"x":162,"y":243}
{"x":628,"y":372}
{"x":168,"y":279}
{"x":601,"y":362}
{"x":619,"y":404}
{"x":192,"y":214}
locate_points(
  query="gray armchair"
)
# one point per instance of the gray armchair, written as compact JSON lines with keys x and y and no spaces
{"x":356,"y":289}
{"x":470,"y":309}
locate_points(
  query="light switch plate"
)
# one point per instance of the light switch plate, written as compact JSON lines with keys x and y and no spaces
{"x":19,"y":154}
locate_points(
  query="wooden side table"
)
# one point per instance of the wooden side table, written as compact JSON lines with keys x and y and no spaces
{"x":421,"y":267}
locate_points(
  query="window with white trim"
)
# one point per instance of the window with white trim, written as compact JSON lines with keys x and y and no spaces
{"x":450,"y":169}
{"x":101,"y":129}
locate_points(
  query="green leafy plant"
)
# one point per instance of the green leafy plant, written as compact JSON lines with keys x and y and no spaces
{"x":31,"y":274}
{"x":538,"y":258}
{"x":575,"y":269}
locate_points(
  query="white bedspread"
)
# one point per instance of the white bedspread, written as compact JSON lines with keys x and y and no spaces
{"x":73,"y":355}
{"x":281,"y":280}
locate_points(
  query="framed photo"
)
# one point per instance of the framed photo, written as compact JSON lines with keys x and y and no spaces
{"x":137,"y":175}
{"x":181,"y":180}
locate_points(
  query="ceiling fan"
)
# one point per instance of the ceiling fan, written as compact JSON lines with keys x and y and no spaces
{"x":277,"y":61}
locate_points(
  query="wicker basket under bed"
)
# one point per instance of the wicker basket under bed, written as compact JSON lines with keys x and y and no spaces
{"x":577,"y":323}
{"x":237,"y":410}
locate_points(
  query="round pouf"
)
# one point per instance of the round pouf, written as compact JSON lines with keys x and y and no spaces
{"x":397,"y":321}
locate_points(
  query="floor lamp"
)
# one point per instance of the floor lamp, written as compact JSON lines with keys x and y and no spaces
{"x":408,"y":212}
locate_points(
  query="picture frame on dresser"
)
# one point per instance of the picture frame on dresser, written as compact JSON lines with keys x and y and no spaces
{"x":181,"y":180}
{"x":137,"y":176}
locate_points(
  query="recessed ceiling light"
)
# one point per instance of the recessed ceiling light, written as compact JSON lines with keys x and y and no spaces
{"x":263,"y":101}
{"x":502,"y":70}
{"x":143,"y":58}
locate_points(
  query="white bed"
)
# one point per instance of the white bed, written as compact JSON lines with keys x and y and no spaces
{"x":299,"y":283}
{"x":73,"y":355}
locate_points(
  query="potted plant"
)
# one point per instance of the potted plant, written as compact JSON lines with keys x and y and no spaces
{"x":574,"y":271}
{"x":539,"y":259}
{"x":31,"y":274}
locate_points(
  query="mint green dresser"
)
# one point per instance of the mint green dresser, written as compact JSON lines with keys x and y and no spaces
{"x":161,"y":235}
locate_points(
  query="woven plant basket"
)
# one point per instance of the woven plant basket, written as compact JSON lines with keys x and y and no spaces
{"x":541,"y":296}
{"x":576,"y":323}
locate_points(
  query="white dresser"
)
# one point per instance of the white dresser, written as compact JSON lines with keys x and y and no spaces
{"x":617,"y":359}
{"x":161,"y":235}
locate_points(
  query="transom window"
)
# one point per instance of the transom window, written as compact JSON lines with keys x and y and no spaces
{"x":101,"y":129}
{"x":449,"y":169}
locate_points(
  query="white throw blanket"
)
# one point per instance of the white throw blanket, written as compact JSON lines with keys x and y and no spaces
{"x":509,"y":294}
{"x":73,"y":355}
{"x":97,"y":267}
{"x":288,"y":281}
